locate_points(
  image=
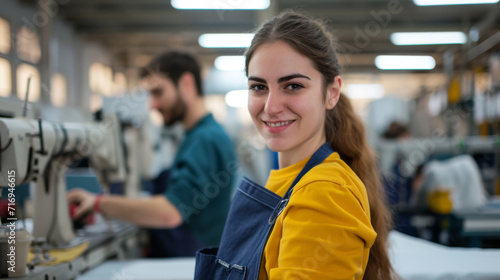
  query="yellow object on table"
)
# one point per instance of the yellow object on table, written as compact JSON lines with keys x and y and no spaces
{"x":454,"y":91}
{"x":439,"y":201}
{"x":62,"y":255}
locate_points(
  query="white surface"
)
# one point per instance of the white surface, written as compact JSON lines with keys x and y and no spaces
{"x":144,"y":269}
{"x":413,"y":259}
{"x":417,"y":259}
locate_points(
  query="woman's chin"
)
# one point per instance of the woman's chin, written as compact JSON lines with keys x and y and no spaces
{"x":276,"y":146}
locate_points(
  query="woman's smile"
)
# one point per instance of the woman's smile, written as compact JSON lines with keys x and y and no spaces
{"x":277,"y":126}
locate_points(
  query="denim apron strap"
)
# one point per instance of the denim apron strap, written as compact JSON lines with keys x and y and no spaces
{"x":318,"y":157}
{"x":252,"y":214}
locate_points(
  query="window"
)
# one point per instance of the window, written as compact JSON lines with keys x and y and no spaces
{"x":4,"y":36}
{"x":28,"y":45}
{"x":24,"y":71}
{"x":5,"y":78}
{"x":101,"y":79}
{"x":95,"y":102}
{"x":120,"y":84}
{"x":58,"y":90}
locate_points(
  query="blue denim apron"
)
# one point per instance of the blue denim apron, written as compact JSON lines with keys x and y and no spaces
{"x":175,"y":242}
{"x":252,"y":214}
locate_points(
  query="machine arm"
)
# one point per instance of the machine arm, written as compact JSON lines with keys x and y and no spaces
{"x":40,"y":151}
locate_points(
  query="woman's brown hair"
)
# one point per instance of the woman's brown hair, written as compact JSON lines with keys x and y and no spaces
{"x":344,"y":130}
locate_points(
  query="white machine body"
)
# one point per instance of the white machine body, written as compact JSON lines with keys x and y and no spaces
{"x":40,"y":151}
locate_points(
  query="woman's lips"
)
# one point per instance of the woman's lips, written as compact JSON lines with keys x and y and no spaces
{"x":277,"y":126}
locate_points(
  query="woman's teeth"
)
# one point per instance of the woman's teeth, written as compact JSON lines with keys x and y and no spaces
{"x":278,"y":124}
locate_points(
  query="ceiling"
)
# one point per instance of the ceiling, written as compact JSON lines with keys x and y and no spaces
{"x":135,"y":30}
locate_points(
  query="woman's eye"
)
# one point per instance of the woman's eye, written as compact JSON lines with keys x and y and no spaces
{"x":257,"y":87}
{"x":294,"y":86}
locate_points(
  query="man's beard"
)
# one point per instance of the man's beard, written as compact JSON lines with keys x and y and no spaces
{"x":177,"y":112}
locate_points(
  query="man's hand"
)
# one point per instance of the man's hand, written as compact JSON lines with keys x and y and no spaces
{"x":84,"y":201}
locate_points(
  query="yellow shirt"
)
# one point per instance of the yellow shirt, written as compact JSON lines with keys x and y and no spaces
{"x":325,"y":230}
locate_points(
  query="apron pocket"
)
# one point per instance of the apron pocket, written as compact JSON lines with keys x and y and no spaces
{"x":208,"y":267}
{"x":205,"y":263}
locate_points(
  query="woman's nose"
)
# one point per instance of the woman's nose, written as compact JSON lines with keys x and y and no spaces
{"x":274,"y":103}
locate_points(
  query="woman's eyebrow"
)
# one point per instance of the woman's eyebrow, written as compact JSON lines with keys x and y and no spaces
{"x":292,"y":76}
{"x":280,"y":80}
{"x":257,"y":79}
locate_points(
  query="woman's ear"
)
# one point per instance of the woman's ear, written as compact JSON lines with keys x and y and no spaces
{"x":333,"y":93}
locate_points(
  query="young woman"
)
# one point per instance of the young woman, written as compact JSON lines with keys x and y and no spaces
{"x":322,"y":214}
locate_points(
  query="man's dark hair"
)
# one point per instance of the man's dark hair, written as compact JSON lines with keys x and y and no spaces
{"x":173,"y":64}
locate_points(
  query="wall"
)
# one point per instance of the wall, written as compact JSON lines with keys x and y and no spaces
{"x":69,"y":53}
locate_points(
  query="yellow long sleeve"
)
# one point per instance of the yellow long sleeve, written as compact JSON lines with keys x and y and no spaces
{"x":325,"y":231}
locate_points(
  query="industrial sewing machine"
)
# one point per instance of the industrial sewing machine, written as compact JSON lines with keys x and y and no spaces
{"x":40,"y":151}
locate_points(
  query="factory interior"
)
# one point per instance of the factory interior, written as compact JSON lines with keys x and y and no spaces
{"x":78,"y":126}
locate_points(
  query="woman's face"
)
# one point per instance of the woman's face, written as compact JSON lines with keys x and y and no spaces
{"x":287,"y":100}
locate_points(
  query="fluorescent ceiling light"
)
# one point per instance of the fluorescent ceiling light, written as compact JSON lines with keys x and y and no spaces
{"x":428,"y":38}
{"x":237,"y":98}
{"x":220,"y":4}
{"x":225,"y":40}
{"x":371,"y":91}
{"x":230,"y":63}
{"x":405,"y":62}
{"x":452,"y":2}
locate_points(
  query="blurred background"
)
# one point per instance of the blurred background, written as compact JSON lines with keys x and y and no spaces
{"x":423,"y":75}
{"x":81,"y":51}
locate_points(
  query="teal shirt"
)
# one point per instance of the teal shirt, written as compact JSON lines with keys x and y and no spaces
{"x":201,"y":179}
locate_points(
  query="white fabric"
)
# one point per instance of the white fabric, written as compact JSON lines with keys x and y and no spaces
{"x":460,"y":175}
{"x":143,"y":269}
{"x":418,"y":259}
{"x":412,"y":258}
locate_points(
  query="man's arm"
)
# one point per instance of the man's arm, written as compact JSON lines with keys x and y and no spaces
{"x":155,"y":212}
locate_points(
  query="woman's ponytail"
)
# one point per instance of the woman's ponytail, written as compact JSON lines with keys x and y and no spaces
{"x":346,"y":134}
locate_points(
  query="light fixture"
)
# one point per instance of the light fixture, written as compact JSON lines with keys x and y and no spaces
{"x":225,"y":40}
{"x":428,"y":38}
{"x":369,"y":91}
{"x":405,"y":62}
{"x":452,"y":2}
{"x":230,"y":62}
{"x":220,"y":4}
{"x":237,"y":98}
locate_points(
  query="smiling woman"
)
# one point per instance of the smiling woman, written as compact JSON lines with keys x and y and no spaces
{"x":285,"y":97}
{"x":322,"y":215}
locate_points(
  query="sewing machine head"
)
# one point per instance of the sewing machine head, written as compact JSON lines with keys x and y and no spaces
{"x":40,"y":151}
